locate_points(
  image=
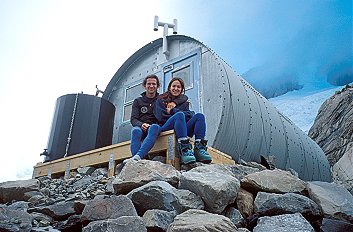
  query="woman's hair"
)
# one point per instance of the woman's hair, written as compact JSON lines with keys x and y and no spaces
{"x":167,"y":94}
{"x":148,"y":77}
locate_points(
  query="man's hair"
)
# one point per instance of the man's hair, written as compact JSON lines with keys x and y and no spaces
{"x":148,"y":77}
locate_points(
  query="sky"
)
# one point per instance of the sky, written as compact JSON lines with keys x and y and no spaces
{"x":49,"y":48}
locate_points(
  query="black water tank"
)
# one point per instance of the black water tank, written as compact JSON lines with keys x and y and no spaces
{"x":91,"y":120}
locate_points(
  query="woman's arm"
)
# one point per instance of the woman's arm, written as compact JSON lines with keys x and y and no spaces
{"x":160,"y":111}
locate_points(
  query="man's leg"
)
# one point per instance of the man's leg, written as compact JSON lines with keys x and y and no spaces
{"x":149,"y":141}
{"x":136,"y":137}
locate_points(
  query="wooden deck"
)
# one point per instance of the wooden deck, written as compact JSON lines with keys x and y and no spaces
{"x":110,"y":156}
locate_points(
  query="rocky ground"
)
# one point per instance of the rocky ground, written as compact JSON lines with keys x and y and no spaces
{"x":152,"y":196}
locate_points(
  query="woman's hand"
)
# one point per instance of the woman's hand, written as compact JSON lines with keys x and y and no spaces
{"x":170,"y":106}
{"x":145,"y":127}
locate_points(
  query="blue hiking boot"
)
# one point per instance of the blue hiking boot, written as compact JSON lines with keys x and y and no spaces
{"x":200,"y":152}
{"x":185,"y":151}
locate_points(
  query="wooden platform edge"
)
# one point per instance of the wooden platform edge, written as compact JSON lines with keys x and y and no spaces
{"x":112,"y":154}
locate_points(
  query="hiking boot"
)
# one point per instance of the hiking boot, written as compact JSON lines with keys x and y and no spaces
{"x":185,"y":151}
{"x":200,"y":152}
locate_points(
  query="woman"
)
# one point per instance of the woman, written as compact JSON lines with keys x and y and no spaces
{"x":177,"y":116}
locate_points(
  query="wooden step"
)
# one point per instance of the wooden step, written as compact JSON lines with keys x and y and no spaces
{"x":110,"y":156}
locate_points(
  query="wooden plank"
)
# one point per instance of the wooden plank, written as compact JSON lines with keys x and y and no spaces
{"x":219,"y":157}
{"x":102,"y":155}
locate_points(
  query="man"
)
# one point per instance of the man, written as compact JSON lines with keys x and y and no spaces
{"x":145,"y":125}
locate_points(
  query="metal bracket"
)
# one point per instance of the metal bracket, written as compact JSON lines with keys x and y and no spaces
{"x":171,"y":147}
{"x":49,"y":172}
{"x":111,"y":161}
{"x":67,"y":170}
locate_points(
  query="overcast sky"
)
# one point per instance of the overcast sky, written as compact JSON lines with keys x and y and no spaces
{"x":49,"y":48}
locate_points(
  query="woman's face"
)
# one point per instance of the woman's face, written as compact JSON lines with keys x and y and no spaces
{"x":175,"y":88}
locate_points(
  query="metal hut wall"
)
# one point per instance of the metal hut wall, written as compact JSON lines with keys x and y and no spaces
{"x":240,"y":121}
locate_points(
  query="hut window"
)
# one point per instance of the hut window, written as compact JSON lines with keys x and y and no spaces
{"x":184,"y":73}
{"x":131,"y":92}
{"x":127,"y":112}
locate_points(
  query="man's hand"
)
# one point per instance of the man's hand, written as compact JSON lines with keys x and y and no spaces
{"x":145,"y":127}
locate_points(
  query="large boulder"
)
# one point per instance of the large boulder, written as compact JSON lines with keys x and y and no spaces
{"x":275,"y":181}
{"x":286,"y":222}
{"x":16,"y":190}
{"x":108,"y":208}
{"x":121,"y":224}
{"x":161,"y":195}
{"x":201,"y":221}
{"x":335,"y":201}
{"x":136,"y":174}
{"x":14,"y":220}
{"x":215,"y":188}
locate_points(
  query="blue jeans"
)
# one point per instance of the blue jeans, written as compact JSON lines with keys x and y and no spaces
{"x":142,"y":142}
{"x":195,"y":126}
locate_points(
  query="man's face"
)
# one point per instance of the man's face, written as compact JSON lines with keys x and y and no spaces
{"x":151,"y":86}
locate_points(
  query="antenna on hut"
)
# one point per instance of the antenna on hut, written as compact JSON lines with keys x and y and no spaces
{"x":165,"y":32}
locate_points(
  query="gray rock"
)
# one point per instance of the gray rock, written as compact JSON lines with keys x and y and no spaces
{"x":235,"y":216}
{"x":42,"y":219}
{"x":201,"y":221}
{"x":73,"y":223}
{"x":161,"y":195}
{"x":335,"y":201}
{"x":271,"y":204}
{"x":14,"y":220}
{"x":108,"y":208}
{"x":85,"y":170}
{"x":158,"y":220}
{"x":276,"y":181}
{"x":19,"y":205}
{"x":59,"y":211}
{"x":121,"y":224}
{"x":342,"y":171}
{"x":215,"y":188}
{"x":283,"y":223}
{"x":331,"y":225}
{"x":15,"y":190}
{"x":333,"y":126}
{"x":136,"y":174}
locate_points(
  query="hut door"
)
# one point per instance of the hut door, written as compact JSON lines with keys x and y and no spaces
{"x":186,"y":67}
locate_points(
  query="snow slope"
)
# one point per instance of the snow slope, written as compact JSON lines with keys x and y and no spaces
{"x":301,"y":106}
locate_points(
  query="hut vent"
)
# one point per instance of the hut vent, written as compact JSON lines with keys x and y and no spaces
{"x":165,"y":32}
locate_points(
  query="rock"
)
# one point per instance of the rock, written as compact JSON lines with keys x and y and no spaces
{"x":235,"y":216}
{"x":215,"y":188}
{"x":276,"y":181}
{"x":108,"y":208}
{"x":136,"y":174}
{"x":336,"y":202}
{"x":270,"y":204}
{"x":73,"y":223}
{"x":16,"y":190}
{"x":161,"y":195}
{"x":286,"y":222}
{"x":121,"y":224}
{"x":330,"y":225}
{"x":59,"y":211}
{"x":158,"y":220}
{"x":333,"y":127}
{"x":199,"y":220}
{"x":342,"y":170}
{"x":14,"y":220}
{"x":245,"y":202}
{"x":85,"y":170}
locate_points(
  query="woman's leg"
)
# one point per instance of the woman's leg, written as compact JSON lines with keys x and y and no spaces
{"x":149,"y":141}
{"x":136,"y":137}
{"x":197,"y":126}
{"x":178,"y":123}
